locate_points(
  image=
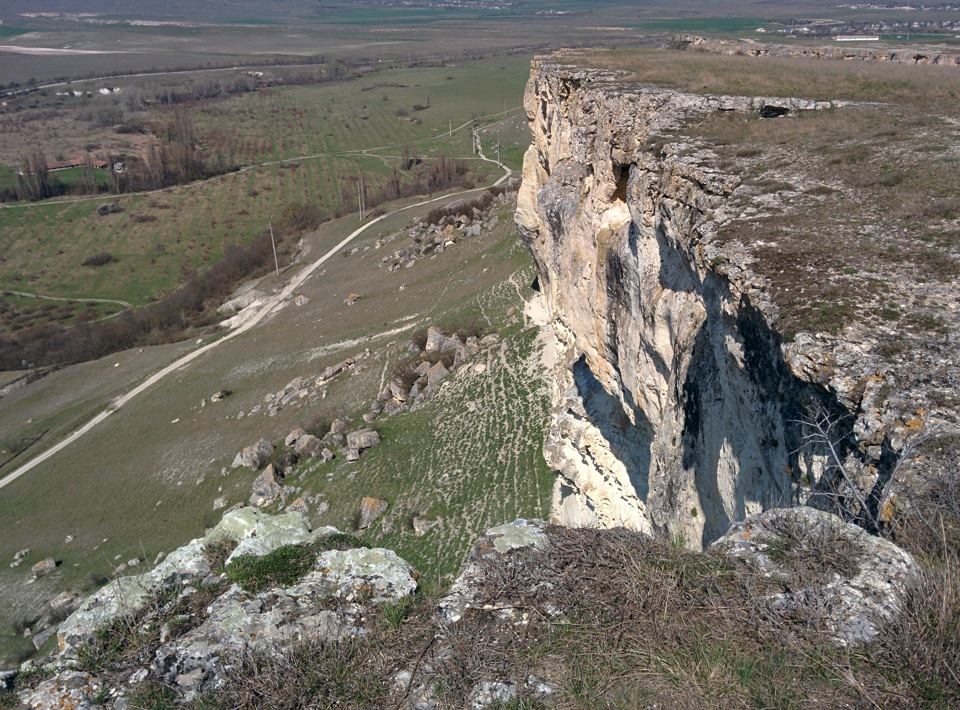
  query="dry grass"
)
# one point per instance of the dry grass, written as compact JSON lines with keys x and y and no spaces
{"x":610,"y":618}
{"x":770,"y":76}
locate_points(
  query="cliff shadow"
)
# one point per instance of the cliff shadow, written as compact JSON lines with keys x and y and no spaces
{"x":746,"y":407}
{"x":629,"y":441}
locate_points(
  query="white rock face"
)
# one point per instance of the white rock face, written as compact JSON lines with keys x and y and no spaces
{"x":673,"y":405}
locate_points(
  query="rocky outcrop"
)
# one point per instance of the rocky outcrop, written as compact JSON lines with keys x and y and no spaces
{"x":675,"y":409}
{"x":191,"y":627}
{"x":856,"y":580}
{"x":937,"y":56}
{"x":193,"y":633}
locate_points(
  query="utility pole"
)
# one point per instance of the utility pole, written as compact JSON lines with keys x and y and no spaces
{"x":450,"y":133}
{"x":360,"y":198}
{"x":498,"y":152}
{"x":273,"y":242}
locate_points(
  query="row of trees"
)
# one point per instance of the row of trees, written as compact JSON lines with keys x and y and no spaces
{"x":173,"y":157}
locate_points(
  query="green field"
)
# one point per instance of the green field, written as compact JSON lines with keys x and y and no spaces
{"x":330,"y":135}
{"x":481,"y":433}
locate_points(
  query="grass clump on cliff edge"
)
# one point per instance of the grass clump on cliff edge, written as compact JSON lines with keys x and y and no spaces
{"x":286,"y":565}
{"x":280,"y":568}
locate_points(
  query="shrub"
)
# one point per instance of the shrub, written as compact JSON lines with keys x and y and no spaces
{"x":99,"y":260}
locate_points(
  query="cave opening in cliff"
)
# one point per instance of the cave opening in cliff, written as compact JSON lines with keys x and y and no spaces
{"x":622,"y":175}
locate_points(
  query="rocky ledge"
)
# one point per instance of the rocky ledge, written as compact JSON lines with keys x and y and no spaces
{"x":190,"y":624}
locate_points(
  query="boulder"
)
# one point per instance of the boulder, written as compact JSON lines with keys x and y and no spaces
{"x":421,"y":525}
{"x":298,"y":506}
{"x":500,"y":542}
{"x":435,"y":340}
{"x":220,"y":502}
{"x":266,"y":487}
{"x":363,"y":439}
{"x":322,"y":605}
{"x":68,"y":689}
{"x":437,"y":374}
{"x":40,"y":638}
{"x":43,"y":567}
{"x":857,"y":583}
{"x":64,"y":600}
{"x":309,"y":446}
{"x":370,"y":510}
{"x":255,"y":456}
{"x":351,"y":455}
{"x":294,"y":436}
{"x":109,"y":208}
{"x":273,"y":531}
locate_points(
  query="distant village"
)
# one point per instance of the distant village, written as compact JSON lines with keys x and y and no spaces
{"x":104,"y":91}
{"x":829,"y":28}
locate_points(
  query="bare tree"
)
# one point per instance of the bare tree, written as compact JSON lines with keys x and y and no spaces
{"x":857,"y":491}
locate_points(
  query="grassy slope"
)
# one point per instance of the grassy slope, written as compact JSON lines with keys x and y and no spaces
{"x":145,"y":479}
{"x":44,"y":244}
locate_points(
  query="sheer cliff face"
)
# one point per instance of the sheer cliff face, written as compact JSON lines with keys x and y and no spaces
{"x":673,"y":406}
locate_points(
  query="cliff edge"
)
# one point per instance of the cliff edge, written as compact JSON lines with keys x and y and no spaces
{"x":680,"y":405}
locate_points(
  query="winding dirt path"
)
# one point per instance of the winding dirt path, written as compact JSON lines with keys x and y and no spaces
{"x":24,"y":294}
{"x":268,"y":308}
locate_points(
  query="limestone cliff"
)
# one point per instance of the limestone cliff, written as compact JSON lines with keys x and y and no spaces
{"x":675,"y":411}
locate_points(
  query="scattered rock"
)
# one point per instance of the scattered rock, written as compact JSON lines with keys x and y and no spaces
{"x":487,"y":693}
{"x":219,"y":395}
{"x":266,"y":487}
{"x":437,"y":374}
{"x":43,"y":567}
{"x":370,"y":510}
{"x":421,"y":525}
{"x":109,"y":208}
{"x":294,"y":436}
{"x":363,"y":439}
{"x":39,"y":639}
{"x":298,"y":506}
{"x":64,"y":600}
{"x":435,"y":340}
{"x":309,"y":446}
{"x":254,"y":456}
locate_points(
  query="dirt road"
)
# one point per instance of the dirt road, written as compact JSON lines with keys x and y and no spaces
{"x":268,"y":308}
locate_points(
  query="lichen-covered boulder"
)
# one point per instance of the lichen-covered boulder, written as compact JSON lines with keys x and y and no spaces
{"x":273,"y":531}
{"x":68,"y":690}
{"x":122,"y":596}
{"x":500,"y":542}
{"x":838,"y":572}
{"x":268,"y":622}
{"x":127,"y":596}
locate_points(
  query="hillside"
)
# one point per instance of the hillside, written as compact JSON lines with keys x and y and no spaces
{"x":729,"y":373}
